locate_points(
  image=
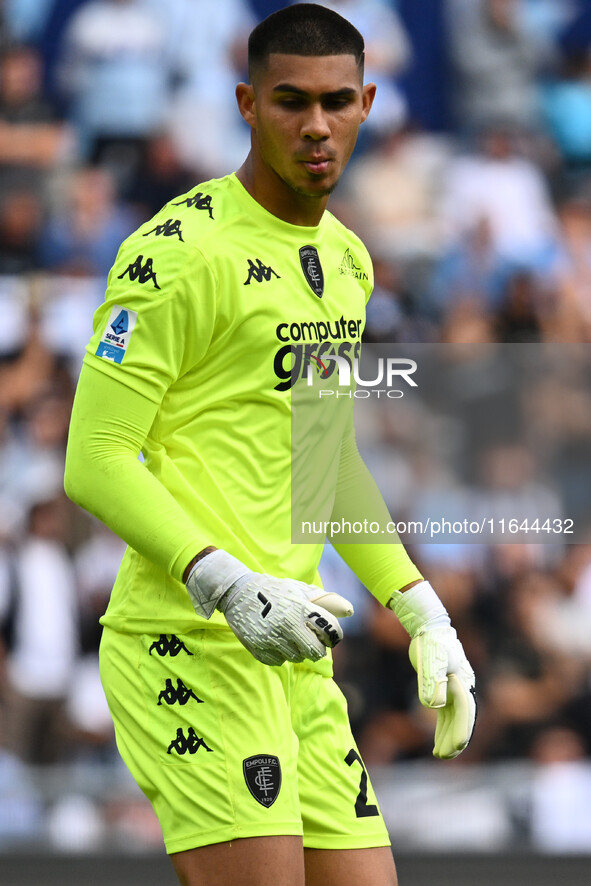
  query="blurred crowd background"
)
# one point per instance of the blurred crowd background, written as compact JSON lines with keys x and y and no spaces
{"x":471,"y":185}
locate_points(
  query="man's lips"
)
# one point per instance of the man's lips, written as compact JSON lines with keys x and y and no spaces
{"x":316,"y":165}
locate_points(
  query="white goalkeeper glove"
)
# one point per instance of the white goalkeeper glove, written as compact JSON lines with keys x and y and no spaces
{"x":445,"y":679}
{"x":277,"y":619}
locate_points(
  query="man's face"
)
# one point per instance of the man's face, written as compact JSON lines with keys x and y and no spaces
{"x":305,"y":113}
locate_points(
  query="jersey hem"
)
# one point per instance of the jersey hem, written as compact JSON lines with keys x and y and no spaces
{"x":130,"y":625}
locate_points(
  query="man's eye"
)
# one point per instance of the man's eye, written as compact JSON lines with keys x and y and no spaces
{"x":336,"y":103}
{"x":291,"y":103}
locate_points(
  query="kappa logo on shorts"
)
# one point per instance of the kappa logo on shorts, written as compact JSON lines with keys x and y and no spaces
{"x":168,"y":646}
{"x":187,"y":744}
{"x":262,"y":774}
{"x":310,"y":261}
{"x":177,"y":695}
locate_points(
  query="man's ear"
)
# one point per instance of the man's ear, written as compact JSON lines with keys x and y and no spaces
{"x":246,"y":102}
{"x":369,"y":93}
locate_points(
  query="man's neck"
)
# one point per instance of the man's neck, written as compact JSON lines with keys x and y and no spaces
{"x":278,"y":198}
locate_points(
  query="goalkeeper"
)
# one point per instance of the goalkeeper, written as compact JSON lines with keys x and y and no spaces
{"x":215,"y":655}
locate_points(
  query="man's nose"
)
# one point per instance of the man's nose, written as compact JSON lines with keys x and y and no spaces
{"x":315,"y":126}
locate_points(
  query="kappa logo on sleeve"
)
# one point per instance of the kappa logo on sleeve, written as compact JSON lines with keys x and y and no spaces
{"x":141,"y":270}
{"x":115,"y":338}
{"x":199,"y":201}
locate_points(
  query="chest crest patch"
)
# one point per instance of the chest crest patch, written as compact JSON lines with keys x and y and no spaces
{"x":310,"y":261}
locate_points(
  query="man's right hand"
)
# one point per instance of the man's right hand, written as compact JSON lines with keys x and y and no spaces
{"x":276,"y":619}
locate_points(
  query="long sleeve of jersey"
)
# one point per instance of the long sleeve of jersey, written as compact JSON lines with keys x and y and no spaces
{"x":382,"y":568}
{"x":109,"y":425}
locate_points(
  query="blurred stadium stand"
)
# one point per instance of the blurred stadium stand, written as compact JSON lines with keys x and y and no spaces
{"x":516,"y":808}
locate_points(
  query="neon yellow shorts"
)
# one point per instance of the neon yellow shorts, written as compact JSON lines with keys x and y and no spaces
{"x":225,"y":747}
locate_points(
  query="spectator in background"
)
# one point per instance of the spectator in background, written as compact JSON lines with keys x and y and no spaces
{"x":525,"y":306}
{"x":469,"y":270}
{"x":33,"y":457}
{"x":32,"y":139}
{"x":394,"y":192}
{"x":25,"y":19}
{"x":21,"y":89}
{"x":26,"y":368}
{"x":509,"y":480}
{"x":159,"y":177}
{"x":558,"y":407}
{"x":392,"y":312}
{"x":11,"y":512}
{"x":561,"y":792}
{"x":82,"y":235}
{"x":65,"y":302}
{"x":570,"y":270}
{"x":565,"y":621}
{"x":530,"y":683}
{"x":44,"y":646}
{"x":580,"y":578}
{"x":566,"y":107}
{"x":210,"y":52}
{"x":96,"y":561}
{"x":35,"y":401}
{"x":506,"y":191}
{"x":547,"y":20}
{"x":115,"y":75}
{"x":495,"y":62}
{"x":21,"y":217}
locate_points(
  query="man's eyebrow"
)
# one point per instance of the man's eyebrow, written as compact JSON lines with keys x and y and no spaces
{"x":295,"y":90}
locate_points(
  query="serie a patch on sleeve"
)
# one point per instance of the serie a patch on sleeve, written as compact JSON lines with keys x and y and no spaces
{"x":116,"y":335}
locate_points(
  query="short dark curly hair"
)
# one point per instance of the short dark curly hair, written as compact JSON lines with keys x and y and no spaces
{"x":304,"y":29}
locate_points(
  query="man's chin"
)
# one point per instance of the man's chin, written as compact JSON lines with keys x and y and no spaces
{"x":314,"y":191}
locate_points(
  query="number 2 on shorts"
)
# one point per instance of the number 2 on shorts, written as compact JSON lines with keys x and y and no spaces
{"x":363,"y":809}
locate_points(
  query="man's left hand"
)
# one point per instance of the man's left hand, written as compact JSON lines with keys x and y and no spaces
{"x":446,"y":682}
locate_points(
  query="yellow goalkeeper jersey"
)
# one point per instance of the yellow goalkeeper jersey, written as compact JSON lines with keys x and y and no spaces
{"x":214,"y":309}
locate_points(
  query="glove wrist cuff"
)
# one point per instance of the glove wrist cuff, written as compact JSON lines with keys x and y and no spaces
{"x":210,"y":578}
{"x":419,"y":608}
